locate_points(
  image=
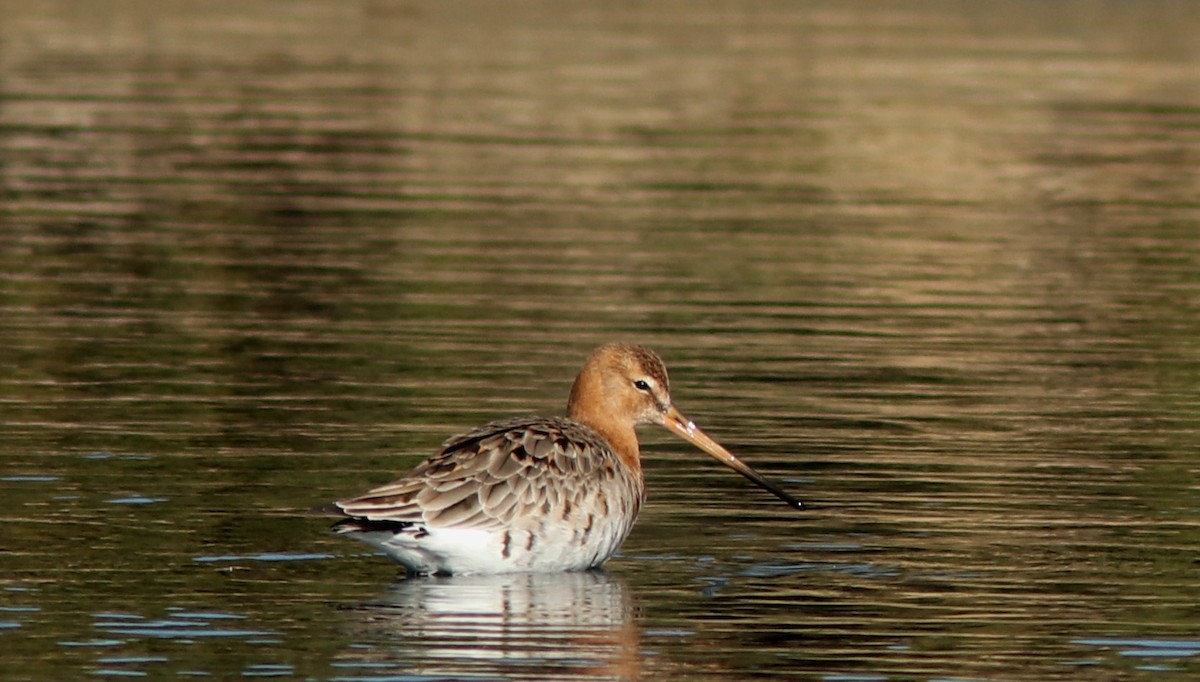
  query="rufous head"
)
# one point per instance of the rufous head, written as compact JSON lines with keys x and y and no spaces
{"x":621,"y":386}
{"x":627,"y":383}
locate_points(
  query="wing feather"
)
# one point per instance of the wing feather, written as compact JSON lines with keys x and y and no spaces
{"x":489,"y":477}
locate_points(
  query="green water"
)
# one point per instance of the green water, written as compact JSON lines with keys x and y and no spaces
{"x":934,"y":267}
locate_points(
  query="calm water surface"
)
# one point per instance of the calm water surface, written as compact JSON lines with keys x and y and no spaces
{"x":934,"y":267}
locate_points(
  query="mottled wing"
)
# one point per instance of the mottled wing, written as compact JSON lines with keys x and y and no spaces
{"x":489,"y":477}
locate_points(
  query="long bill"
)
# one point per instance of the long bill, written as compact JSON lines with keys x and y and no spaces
{"x":685,"y":428}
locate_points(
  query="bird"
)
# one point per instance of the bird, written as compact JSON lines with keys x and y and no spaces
{"x":535,"y":494}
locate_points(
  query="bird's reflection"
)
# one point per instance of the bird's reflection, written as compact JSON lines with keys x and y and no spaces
{"x":532,"y":626}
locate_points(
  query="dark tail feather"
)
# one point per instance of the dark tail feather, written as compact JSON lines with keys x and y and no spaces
{"x":357,"y":524}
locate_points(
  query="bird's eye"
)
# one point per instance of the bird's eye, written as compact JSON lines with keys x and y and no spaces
{"x":642,"y":385}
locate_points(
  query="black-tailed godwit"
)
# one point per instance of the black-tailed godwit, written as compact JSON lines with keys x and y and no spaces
{"x":535,"y":494}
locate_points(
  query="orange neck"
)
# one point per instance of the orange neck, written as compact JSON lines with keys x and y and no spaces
{"x":587,"y":405}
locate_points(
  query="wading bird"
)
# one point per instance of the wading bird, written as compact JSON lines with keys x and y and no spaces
{"x":533,"y":493}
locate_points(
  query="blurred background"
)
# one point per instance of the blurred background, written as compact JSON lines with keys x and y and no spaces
{"x":933,"y":266}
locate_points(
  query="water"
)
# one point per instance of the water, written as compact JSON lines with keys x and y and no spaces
{"x":931,"y":266}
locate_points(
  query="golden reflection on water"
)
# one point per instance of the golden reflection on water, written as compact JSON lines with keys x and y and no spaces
{"x":933,"y":268}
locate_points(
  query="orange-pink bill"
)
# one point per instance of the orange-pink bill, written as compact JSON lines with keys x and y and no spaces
{"x":687,"y":429}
